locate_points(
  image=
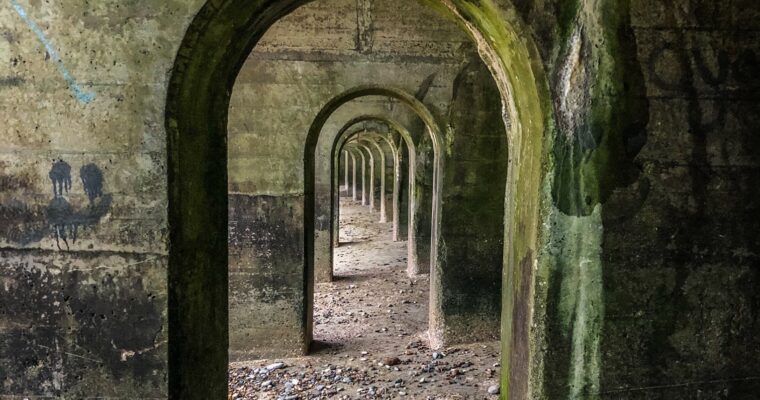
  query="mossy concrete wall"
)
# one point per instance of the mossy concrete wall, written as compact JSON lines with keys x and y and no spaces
{"x":470,"y":254}
{"x":403,"y":196}
{"x":643,"y":284}
{"x":423,"y":200}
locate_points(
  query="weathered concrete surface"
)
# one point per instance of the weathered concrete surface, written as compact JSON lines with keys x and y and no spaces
{"x":472,"y":229}
{"x":423,"y":202}
{"x":644,"y":290}
{"x":83,"y":196}
{"x":265,"y":251}
{"x":403,"y":220}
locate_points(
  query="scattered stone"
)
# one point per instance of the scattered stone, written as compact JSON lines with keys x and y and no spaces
{"x":275,"y":366}
{"x":494,"y":389}
{"x":354,"y":321}
{"x":391,"y":361}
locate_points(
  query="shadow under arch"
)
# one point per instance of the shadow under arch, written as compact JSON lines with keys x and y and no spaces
{"x":214,"y":48}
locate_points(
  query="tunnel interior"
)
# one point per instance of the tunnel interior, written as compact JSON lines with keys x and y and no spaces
{"x":402,"y":102}
{"x":558,"y":199}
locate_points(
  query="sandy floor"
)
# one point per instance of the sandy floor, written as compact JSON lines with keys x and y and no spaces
{"x":369,"y":328}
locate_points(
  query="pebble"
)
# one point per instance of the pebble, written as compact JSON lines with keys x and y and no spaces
{"x":391,"y":361}
{"x":275,"y":366}
{"x":494,"y":389}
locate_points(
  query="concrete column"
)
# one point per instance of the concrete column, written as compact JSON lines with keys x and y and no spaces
{"x":422,"y":197}
{"x":379,"y":160}
{"x":368,"y":177}
{"x":403,"y":191}
{"x":362,"y":192}
{"x":345,"y":180}
{"x":353,"y":177}
{"x":396,"y":192}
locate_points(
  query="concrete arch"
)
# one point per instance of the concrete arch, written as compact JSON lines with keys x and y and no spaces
{"x":216,"y":44}
{"x":375,"y":139}
{"x":435,"y":131}
{"x":353,"y":174}
{"x":368,"y":175}
{"x":379,"y":158}
{"x":345,"y":156}
{"x":380,"y":138}
{"x":357,"y":171}
{"x":343,"y":135}
{"x":360,"y":185}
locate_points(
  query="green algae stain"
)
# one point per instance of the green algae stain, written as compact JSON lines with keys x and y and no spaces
{"x":600,"y":99}
{"x":590,"y":157}
{"x":597,"y":90}
{"x":574,"y":258}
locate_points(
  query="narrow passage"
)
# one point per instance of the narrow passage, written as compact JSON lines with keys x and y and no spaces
{"x":370,"y":333}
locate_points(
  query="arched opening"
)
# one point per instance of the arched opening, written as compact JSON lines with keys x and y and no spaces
{"x":400,"y":212}
{"x":214,"y":49}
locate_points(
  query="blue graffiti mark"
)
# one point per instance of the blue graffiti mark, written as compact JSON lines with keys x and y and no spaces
{"x":76,"y":90}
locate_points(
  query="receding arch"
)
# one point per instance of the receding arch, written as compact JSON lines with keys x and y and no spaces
{"x":353,"y":173}
{"x":216,"y":44}
{"x":378,"y":141}
{"x":312,"y":207}
{"x":342,"y":136}
{"x":378,"y":158}
{"x":368,"y":171}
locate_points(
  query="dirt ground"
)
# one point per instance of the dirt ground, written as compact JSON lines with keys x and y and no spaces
{"x":369,"y":331}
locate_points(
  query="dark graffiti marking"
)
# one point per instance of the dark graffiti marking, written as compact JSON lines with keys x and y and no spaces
{"x":729,"y":75}
{"x":741,"y":67}
{"x":60,"y":174}
{"x":62,"y":217}
{"x":674,"y":68}
{"x":92,"y":179}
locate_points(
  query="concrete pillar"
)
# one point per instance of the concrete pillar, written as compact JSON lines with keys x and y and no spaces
{"x":403,"y":191}
{"x":422,"y":198}
{"x":396,"y":192}
{"x":353,"y":177}
{"x":345,"y":165}
{"x":368,"y":179}
{"x":378,"y":168}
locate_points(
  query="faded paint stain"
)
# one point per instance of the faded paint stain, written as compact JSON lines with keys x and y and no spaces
{"x":80,"y":94}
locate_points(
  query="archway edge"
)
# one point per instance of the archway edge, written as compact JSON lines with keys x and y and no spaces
{"x":342,"y":136}
{"x":215,"y":46}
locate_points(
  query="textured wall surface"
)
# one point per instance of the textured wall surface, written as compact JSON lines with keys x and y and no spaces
{"x":472,"y":228}
{"x":652,"y":253}
{"x":83,"y":231}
